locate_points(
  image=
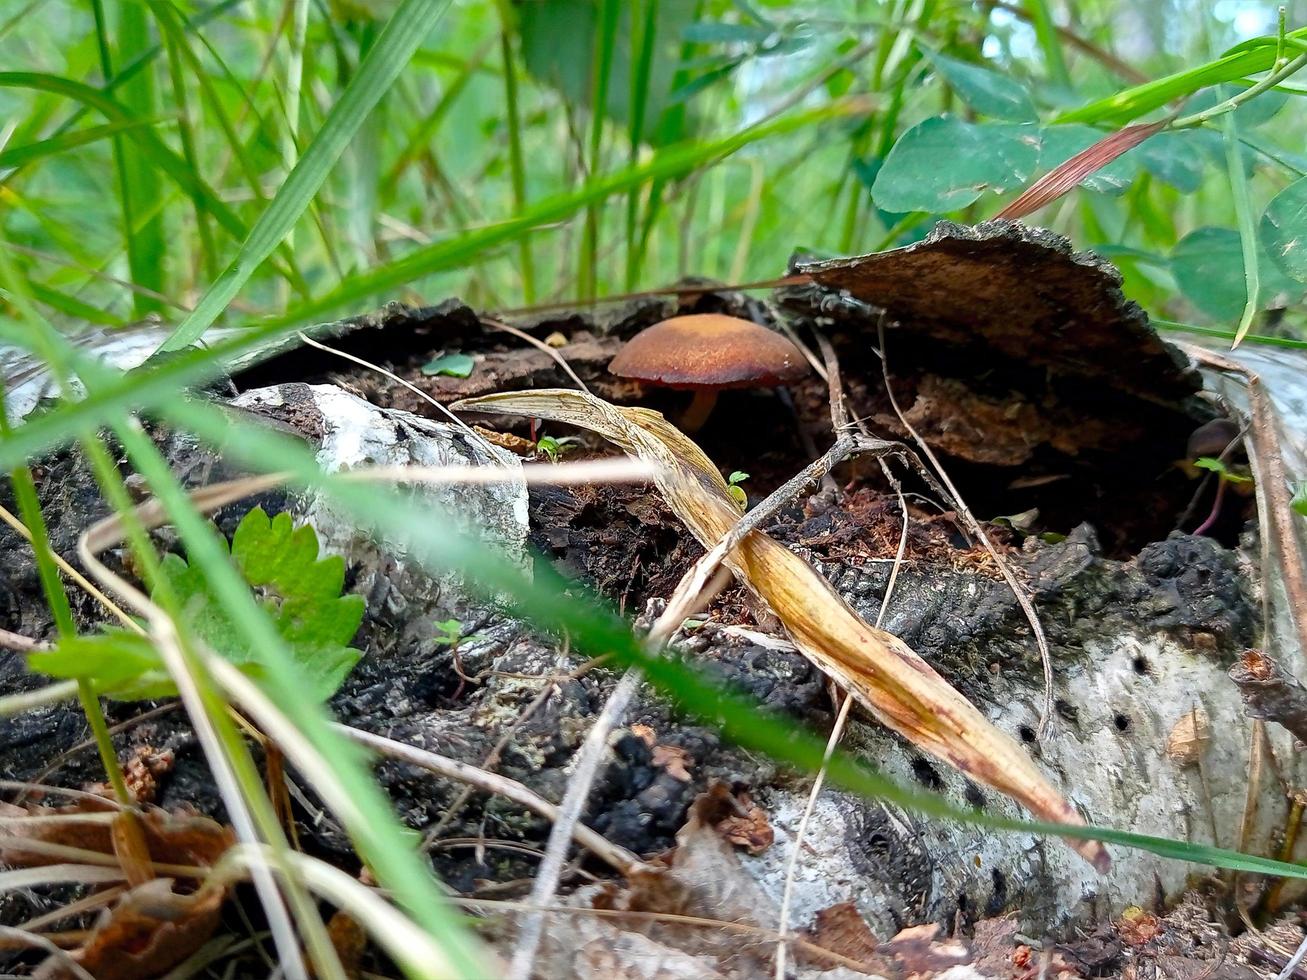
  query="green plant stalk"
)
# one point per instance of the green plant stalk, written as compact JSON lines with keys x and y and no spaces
{"x":641,"y":72}
{"x":405,"y":30}
{"x":237,"y":754}
{"x":29,"y":506}
{"x":208,"y":250}
{"x":1041,"y":19}
{"x":146,"y":237}
{"x":517,"y":169}
{"x":552,"y":603}
{"x":119,"y":149}
{"x":379,"y":841}
{"x":602,"y":60}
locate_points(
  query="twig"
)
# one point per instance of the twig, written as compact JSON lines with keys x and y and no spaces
{"x":1275,"y":511}
{"x":618,"y":858}
{"x":1023,"y":599}
{"x":540,"y":344}
{"x":1270,"y":693}
{"x":670,"y":917}
{"x":21,"y":644}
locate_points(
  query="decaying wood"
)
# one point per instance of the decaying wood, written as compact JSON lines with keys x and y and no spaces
{"x":887,"y":677}
{"x":1271,"y":693}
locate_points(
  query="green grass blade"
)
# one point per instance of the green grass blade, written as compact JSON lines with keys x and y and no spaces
{"x":18,"y":156}
{"x":604,"y":41}
{"x":185,"y":131}
{"x":1247,"y":223}
{"x":516,"y":166}
{"x":142,"y":194}
{"x":1256,"y":56}
{"x":409,"y":26}
{"x":642,"y":41}
{"x":153,"y":149}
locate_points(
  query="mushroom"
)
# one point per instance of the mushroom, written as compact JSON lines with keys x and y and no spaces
{"x":705,"y":353}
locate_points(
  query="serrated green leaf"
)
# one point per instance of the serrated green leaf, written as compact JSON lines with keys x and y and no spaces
{"x":943,"y":164}
{"x":453,"y":365}
{"x":1284,"y":230}
{"x":300,"y":590}
{"x":988,"y":92}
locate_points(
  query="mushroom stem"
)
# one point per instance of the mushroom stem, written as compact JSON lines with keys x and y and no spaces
{"x":697,"y":414}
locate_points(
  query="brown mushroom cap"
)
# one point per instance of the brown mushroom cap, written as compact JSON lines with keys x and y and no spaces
{"x":709,"y":350}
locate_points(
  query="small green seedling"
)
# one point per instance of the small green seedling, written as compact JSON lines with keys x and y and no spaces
{"x":299,"y":591}
{"x":735,"y":490}
{"x":1299,"y":501}
{"x":553,"y":449}
{"x":452,"y":365}
{"x":1222,"y":470}
{"x":450,"y":634}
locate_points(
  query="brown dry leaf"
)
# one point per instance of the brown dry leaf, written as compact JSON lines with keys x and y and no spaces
{"x":883,"y":673}
{"x":1188,"y":739}
{"x":842,"y":929}
{"x":151,"y":927}
{"x":170,"y":838}
{"x":148,"y":931}
{"x":674,"y":760}
{"x":1137,"y":927}
{"x":919,"y":952}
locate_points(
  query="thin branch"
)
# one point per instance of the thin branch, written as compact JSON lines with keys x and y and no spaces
{"x":1023,"y":599}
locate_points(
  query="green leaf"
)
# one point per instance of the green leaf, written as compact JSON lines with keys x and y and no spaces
{"x":558,"y":40}
{"x":453,"y":365}
{"x":120,"y":664}
{"x":943,"y":164}
{"x":407,"y":29}
{"x":1219,"y":466}
{"x":1174,"y":157}
{"x":985,"y":90}
{"x":1208,"y":267}
{"x":300,"y":591}
{"x":1299,"y":501}
{"x":1284,"y":230}
{"x":737,"y":476}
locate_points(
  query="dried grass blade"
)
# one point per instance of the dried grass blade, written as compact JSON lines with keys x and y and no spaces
{"x":882,"y":672}
{"x":1068,"y":175}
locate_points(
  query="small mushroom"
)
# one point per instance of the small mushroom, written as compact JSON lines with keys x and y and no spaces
{"x":705,"y":353}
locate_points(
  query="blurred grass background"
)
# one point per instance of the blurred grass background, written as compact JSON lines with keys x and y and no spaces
{"x":141,"y":139}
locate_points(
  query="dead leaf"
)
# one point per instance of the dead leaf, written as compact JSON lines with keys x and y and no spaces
{"x":152,"y":927}
{"x":673,"y":760}
{"x":842,"y":929}
{"x":1137,"y":927}
{"x":1188,"y":739}
{"x":148,"y":931}
{"x":883,"y":673}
